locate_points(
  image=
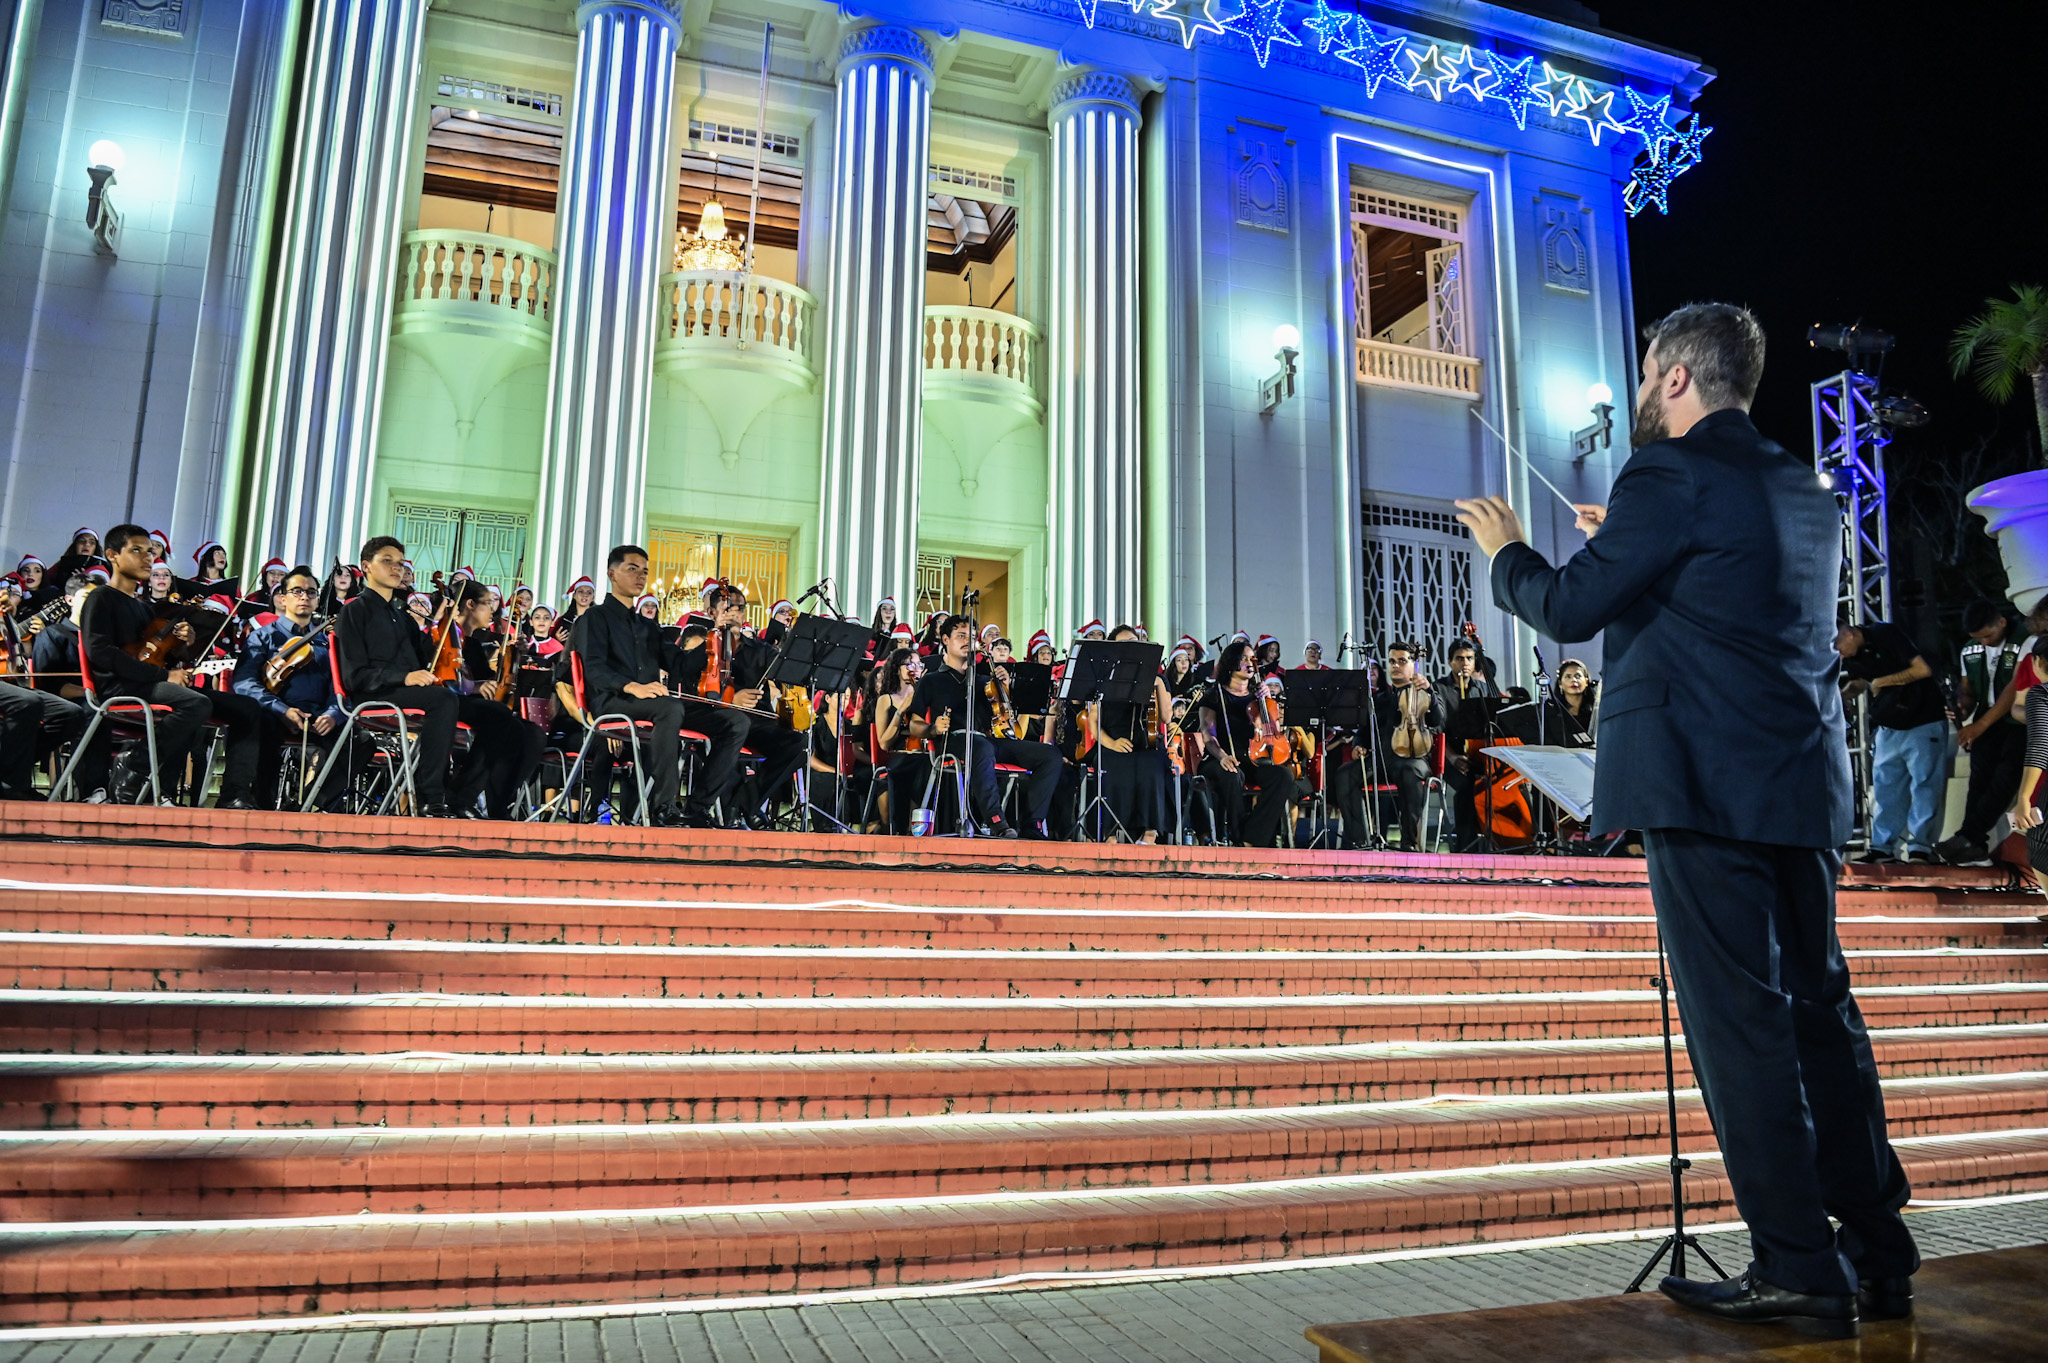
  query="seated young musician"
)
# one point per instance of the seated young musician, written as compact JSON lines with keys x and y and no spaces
{"x":624,"y":660}
{"x":302,"y":710}
{"x":1133,"y":763}
{"x":1408,"y":713}
{"x":780,"y":749}
{"x":33,"y":724}
{"x":939,"y":710}
{"x":504,"y":745}
{"x":112,"y":620}
{"x":386,"y":656}
{"x":1227,"y":732}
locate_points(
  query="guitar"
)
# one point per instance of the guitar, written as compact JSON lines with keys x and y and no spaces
{"x":25,"y":631}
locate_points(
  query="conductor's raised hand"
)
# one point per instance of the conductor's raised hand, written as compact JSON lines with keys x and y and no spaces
{"x":1591,"y":517}
{"x":1492,"y":521}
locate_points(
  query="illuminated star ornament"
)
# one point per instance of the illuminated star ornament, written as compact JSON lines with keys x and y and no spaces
{"x":1555,"y":89}
{"x":1466,"y":73}
{"x":1327,"y":25}
{"x":1648,"y":119}
{"x":1379,"y":59}
{"x":1511,"y":86}
{"x":1595,"y":111}
{"x":1174,"y":12}
{"x":1663,"y":162}
{"x":1087,"y":11}
{"x":1264,"y":26}
{"x":1428,"y":71}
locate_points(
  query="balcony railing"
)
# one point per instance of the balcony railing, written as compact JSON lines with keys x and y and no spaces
{"x":470,"y":277}
{"x":1400,"y":366}
{"x":980,"y":341}
{"x":718,"y":310}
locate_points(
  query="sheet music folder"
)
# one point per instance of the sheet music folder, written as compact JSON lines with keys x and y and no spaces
{"x":1565,"y":775}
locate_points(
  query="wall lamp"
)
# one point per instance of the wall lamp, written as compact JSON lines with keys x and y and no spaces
{"x":1279,"y":387}
{"x":1599,"y":435}
{"x":103,"y":159}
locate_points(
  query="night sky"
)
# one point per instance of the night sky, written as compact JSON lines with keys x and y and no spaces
{"x":1869,"y":161}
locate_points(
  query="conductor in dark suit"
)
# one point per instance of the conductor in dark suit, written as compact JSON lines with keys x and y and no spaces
{"x":1714,"y":572}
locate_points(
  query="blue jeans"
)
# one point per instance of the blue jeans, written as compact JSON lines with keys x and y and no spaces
{"x":1909,"y":778}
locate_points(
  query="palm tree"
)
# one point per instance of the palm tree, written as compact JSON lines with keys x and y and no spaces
{"x":2008,"y":343}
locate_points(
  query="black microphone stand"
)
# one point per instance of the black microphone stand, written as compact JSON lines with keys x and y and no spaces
{"x":1680,"y":1238}
{"x":1540,"y":811}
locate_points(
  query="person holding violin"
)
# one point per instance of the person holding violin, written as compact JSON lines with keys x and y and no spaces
{"x":1229,"y":728}
{"x":134,"y":652}
{"x":283,"y":668}
{"x":624,"y":660}
{"x":1133,"y":759}
{"x":1410,"y":715}
{"x":906,"y":759}
{"x":504,"y":750}
{"x":386,"y":657}
{"x":1572,"y":711}
{"x":939,"y":711}
{"x":1464,"y":683}
{"x":741,"y":661}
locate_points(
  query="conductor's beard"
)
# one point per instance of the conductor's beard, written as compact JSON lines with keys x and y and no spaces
{"x":1652,"y":424}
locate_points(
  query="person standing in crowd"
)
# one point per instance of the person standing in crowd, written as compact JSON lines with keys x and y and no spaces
{"x":1720,"y":557}
{"x":1910,"y":735}
{"x":1994,"y":737}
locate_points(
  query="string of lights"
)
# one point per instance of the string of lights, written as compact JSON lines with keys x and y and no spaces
{"x":1671,"y":146}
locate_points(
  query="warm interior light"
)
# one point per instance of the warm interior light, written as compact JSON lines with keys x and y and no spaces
{"x":711,"y":226}
{"x":1599,"y":395}
{"x":108,"y":154}
{"x":1286,"y":337}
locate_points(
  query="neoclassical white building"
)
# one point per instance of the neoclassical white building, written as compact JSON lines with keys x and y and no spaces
{"x":1194,"y":313}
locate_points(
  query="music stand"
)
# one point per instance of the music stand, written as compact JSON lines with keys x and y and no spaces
{"x":820,"y":654}
{"x":1112,"y":674}
{"x":1327,"y":699}
{"x":1030,"y":687}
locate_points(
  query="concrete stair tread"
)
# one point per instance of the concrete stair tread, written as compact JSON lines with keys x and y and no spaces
{"x":109,"y":1271}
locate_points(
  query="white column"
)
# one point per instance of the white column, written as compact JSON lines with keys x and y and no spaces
{"x":330,"y":315}
{"x":613,"y":236}
{"x":874,"y":341}
{"x":1092,"y":374}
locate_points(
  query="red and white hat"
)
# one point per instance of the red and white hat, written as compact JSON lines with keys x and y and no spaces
{"x":709,"y":583}
{"x":199,"y":554}
{"x":27,"y":559}
{"x":163,"y":540}
{"x":1240,"y":635}
{"x":273,"y":562}
{"x":1265,"y":639}
{"x":989,"y":632}
{"x":420,"y":597}
{"x":1316,"y":644}
{"x":85,"y":530}
{"x":521,"y":587}
{"x":1092,"y":627}
{"x":888,"y":601}
{"x":11,"y":580}
{"x":98,"y":574}
{"x":1188,"y":641}
{"x":583,"y":581}
{"x":1038,"y":641}
{"x":461,"y":573}
{"x":406,"y":564}
{"x":901,"y":635}
{"x":644,"y":600}
{"x":779,"y":607}
{"x":224,"y":605}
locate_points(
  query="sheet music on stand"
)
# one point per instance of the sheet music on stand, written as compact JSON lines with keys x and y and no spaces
{"x":1564,"y":775}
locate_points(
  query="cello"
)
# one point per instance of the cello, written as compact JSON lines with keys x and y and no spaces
{"x":1499,"y":792}
{"x":1269,"y":737}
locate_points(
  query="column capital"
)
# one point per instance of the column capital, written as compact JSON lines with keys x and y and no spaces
{"x":883,"y":42}
{"x":667,"y":12}
{"x":1088,"y":86}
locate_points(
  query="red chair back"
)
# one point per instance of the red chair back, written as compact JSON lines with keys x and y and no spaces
{"x":92,"y":692}
{"x":576,"y":683}
{"x":334,"y":670}
{"x":1439,"y":752}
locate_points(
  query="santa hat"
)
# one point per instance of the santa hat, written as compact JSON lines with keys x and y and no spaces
{"x":461,"y":573}
{"x":888,"y":601}
{"x":199,"y":554}
{"x":709,"y":583}
{"x":1188,"y":641}
{"x":1038,"y":641}
{"x":11,"y":580}
{"x":1265,"y":639}
{"x":98,"y":574}
{"x":1316,"y":644}
{"x":991,"y":631}
{"x":1187,"y":646}
{"x":224,"y":605}
{"x":420,"y":597}
{"x":901,"y":635}
{"x":84,"y":530}
{"x":1143,"y":637}
{"x":406,"y":564}
{"x":1240,"y":635}
{"x":1092,"y":627}
{"x":519,"y":587}
{"x":583,"y":581}
{"x":779,"y":607}
{"x":27,"y":559}
{"x":644,"y":600}
{"x":276,"y":563}
{"x":161,"y":538}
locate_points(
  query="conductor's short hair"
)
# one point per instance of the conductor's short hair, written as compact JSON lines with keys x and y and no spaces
{"x":1720,"y":345}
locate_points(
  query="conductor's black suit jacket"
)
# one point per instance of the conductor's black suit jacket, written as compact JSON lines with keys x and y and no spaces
{"x":1715,"y":576}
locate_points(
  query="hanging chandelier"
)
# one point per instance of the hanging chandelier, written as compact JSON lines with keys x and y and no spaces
{"x":710,"y":247}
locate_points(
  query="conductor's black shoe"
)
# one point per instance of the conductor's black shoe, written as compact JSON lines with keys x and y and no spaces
{"x":672,"y":817}
{"x":1752,"y":1300}
{"x":436,"y":812}
{"x":1884,"y":1298}
{"x":1962,"y":850}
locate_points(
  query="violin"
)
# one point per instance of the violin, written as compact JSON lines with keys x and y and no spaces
{"x":447,"y":636}
{"x":290,"y":660}
{"x":1002,"y":715}
{"x":508,"y":657}
{"x":1269,"y":738}
{"x":1411,"y":738}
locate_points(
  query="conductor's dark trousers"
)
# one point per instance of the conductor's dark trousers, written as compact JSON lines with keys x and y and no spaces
{"x":1782,"y":1056}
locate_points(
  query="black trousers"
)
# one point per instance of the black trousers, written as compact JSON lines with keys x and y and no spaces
{"x":1130,"y":784}
{"x":780,"y":750}
{"x":727,"y":729}
{"x":1995,"y":762}
{"x":504,"y":750}
{"x":178,"y":733}
{"x":433,"y":732}
{"x":1270,"y":788}
{"x":1464,"y":809}
{"x":33,"y":724}
{"x":1782,"y":1058}
{"x":1041,"y":760}
{"x":1410,"y":778}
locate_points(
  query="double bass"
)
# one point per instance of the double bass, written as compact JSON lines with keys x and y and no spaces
{"x":1498,"y":791}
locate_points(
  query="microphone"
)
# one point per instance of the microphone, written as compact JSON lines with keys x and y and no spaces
{"x":1217,"y":642}
{"x":1542,"y":672}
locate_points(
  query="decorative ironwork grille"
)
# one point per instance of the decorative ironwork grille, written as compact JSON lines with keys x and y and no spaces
{"x":1418,"y":577}
{"x":683,"y":558}
{"x":440,"y":539}
{"x":934,"y":587}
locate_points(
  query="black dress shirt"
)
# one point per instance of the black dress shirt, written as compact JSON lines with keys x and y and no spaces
{"x":380,"y":644}
{"x":620,"y":647}
{"x":110,"y":621}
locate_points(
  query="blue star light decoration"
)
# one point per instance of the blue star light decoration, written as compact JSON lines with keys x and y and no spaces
{"x":1327,"y":25}
{"x":1511,"y":87}
{"x":1648,"y":119}
{"x":1595,"y":111}
{"x":1171,"y":11}
{"x":1663,"y":162}
{"x":1265,"y":27}
{"x":1467,"y":71}
{"x":1555,"y":88}
{"x":1087,"y":11}
{"x":1427,"y":70}
{"x":1378,"y":58}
